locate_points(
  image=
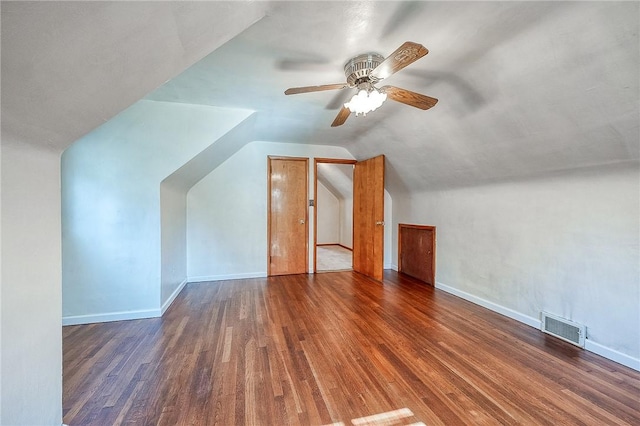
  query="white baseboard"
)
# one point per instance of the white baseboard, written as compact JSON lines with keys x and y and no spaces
{"x":393,"y":266}
{"x":173,"y":296}
{"x":226,"y":277}
{"x":591,"y":346}
{"x":612,"y":354}
{"x":111,"y":316}
{"x":533,"y":322}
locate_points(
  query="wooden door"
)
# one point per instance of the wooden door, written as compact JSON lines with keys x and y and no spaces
{"x":287,"y":216}
{"x":417,"y":251}
{"x":368,"y":217}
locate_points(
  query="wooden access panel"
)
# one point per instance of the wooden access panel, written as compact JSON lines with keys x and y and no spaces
{"x":417,"y":251}
{"x":287,"y":216}
{"x":368,"y":217}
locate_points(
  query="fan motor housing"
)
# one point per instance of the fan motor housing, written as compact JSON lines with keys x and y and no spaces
{"x":360,"y":67}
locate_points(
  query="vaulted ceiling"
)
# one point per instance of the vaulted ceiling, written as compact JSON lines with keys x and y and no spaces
{"x":524,"y":88}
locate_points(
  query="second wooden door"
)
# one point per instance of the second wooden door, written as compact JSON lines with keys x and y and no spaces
{"x":368,"y":217}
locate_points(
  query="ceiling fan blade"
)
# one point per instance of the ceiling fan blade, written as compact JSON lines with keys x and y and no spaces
{"x":307,"y":89}
{"x":341,"y":117}
{"x":409,"y":98}
{"x":405,"y":55}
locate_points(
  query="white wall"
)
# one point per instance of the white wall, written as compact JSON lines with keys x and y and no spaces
{"x":111,"y":205}
{"x":173,"y":236}
{"x":31,"y":347}
{"x":346,"y":222}
{"x":565,"y":244}
{"x":388,"y":231}
{"x":328,"y":207}
{"x":227,"y":212}
{"x":1,"y":281}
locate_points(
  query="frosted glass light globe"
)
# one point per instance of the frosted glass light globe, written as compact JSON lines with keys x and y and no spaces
{"x":364,"y":102}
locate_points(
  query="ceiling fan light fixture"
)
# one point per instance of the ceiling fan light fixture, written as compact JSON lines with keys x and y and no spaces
{"x":366,"y":101}
{"x":364,"y":71}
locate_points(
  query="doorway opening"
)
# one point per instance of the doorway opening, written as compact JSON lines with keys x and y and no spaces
{"x":333,"y":215}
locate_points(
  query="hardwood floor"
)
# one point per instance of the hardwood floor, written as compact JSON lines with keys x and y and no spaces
{"x":331,"y":348}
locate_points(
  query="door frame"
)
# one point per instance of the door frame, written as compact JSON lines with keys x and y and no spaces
{"x":315,"y":202}
{"x":306,"y":214}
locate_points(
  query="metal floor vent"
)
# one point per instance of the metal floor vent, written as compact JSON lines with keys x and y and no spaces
{"x":564,"y":329}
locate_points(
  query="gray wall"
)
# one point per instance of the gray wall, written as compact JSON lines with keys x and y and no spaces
{"x":111,"y":219}
{"x":566,"y":244}
{"x":30,"y":301}
{"x":227,"y":212}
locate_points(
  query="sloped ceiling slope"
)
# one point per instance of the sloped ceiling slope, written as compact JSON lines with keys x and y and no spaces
{"x":337,"y":178}
{"x":67,"y":67}
{"x":525,"y":88}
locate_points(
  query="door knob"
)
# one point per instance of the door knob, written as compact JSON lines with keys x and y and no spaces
{"x":380,"y":222}
{"x":301,"y":221}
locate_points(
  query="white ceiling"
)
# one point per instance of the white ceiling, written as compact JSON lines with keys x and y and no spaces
{"x":525,"y":88}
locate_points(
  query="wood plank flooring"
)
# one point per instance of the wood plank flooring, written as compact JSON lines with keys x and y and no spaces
{"x":335,"y":348}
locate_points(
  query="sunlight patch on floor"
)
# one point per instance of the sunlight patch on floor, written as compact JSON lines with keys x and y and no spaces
{"x":388,"y":418}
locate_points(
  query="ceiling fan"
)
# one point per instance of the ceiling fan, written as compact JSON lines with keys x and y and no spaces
{"x":364,"y":71}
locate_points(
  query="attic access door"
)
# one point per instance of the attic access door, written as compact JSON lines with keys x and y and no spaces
{"x":417,"y":251}
{"x":287,"y":216}
{"x":368,"y":217}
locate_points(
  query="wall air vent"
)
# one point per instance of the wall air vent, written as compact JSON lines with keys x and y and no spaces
{"x":563,"y":329}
